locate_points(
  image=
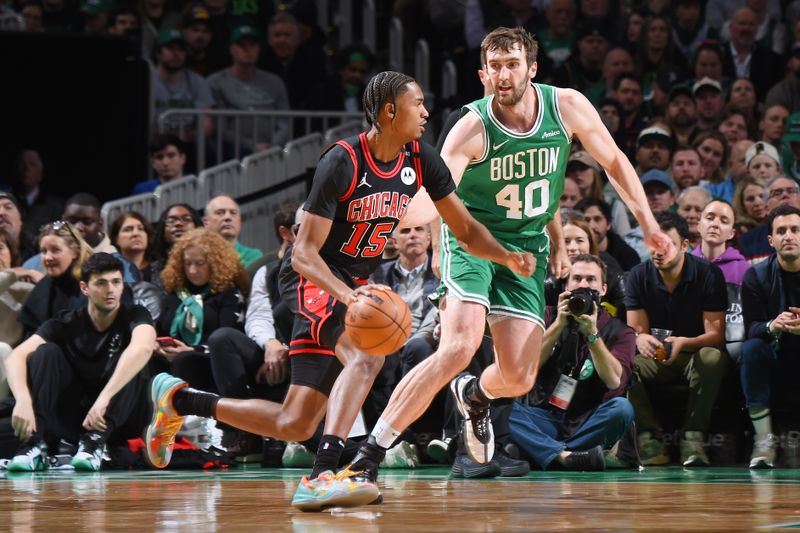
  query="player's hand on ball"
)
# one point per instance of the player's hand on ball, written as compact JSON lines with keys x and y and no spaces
{"x":364,"y":290}
{"x":521,"y":263}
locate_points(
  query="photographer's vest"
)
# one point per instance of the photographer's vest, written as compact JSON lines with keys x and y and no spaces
{"x":565,"y":356}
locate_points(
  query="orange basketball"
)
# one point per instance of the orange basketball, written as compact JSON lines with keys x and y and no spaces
{"x":380,"y":324}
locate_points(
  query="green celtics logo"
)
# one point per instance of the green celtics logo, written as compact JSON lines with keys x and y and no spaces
{"x":587,"y":370}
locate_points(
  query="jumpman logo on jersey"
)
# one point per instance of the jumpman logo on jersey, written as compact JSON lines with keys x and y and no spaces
{"x":363,"y":182}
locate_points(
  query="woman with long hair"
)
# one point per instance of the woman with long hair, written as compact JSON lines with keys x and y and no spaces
{"x":749,"y":204}
{"x":713,"y":152}
{"x":132,"y":234}
{"x":742,"y":96}
{"x":63,"y":252}
{"x":199,"y":278}
{"x":632,"y":32}
{"x":655,"y":50}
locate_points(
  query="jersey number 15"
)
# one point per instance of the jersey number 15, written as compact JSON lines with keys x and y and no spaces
{"x":373,"y":245}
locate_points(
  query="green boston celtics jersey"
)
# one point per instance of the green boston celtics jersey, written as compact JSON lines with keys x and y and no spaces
{"x":514,"y":188}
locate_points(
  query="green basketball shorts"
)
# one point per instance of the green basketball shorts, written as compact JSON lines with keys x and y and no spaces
{"x":500,"y":290}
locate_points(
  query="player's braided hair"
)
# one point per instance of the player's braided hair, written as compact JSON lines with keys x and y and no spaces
{"x":383,"y":87}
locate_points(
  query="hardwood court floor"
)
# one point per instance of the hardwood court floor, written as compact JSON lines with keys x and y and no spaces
{"x":255,"y":499}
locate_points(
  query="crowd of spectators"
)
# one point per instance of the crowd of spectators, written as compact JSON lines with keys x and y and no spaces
{"x":704,"y":98}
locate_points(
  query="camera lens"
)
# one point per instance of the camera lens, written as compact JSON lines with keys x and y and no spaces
{"x":582,"y":301}
{"x":580,"y":304}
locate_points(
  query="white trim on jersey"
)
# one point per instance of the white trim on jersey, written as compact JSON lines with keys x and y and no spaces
{"x":558,"y":115}
{"x":517,"y":313}
{"x":458,"y":292}
{"x":516,"y":135}
{"x":485,"y":154}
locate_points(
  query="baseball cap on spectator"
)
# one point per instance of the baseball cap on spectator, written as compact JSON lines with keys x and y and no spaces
{"x":678,"y":90}
{"x":761,"y":148}
{"x":655,"y":175}
{"x":583,"y":157}
{"x":5,"y":195}
{"x":196,"y":14}
{"x":792,"y":134}
{"x":706,"y":82}
{"x":654,"y":132}
{"x":245,"y":32}
{"x":591,"y":26}
{"x":168,"y":37}
{"x":95,"y":7}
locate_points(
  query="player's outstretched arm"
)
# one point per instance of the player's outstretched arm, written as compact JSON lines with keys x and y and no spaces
{"x":582,"y":120}
{"x":308,"y":263}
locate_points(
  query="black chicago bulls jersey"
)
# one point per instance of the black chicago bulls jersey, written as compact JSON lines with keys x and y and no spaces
{"x":366,"y":198}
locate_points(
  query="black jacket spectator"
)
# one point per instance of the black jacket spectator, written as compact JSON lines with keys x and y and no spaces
{"x":766,"y":68}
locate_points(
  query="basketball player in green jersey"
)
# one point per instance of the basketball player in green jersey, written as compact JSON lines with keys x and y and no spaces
{"x":508,"y":154}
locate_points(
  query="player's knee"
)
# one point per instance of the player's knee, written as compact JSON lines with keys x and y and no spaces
{"x":519,"y":381}
{"x":458,"y":352}
{"x":293,"y":428}
{"x":367,"y":366}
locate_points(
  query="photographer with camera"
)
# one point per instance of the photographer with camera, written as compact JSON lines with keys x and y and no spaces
{"x":686,"y":300}
{"x":577,"y":407}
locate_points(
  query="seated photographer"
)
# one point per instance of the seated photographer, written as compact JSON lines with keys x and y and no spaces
{"x":79,"y":377}
{"x":685,"y":300}
{"x":771,"y":311}
{"x":579,"y":239}
{"x":577,"y":407}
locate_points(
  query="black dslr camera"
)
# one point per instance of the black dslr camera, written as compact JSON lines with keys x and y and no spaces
{"x":582,"y":301}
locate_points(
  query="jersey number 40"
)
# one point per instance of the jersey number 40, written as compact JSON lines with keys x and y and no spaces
{"x":530,"y":205}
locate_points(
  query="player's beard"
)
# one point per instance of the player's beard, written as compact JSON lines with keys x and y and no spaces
{"x":515,"y":96}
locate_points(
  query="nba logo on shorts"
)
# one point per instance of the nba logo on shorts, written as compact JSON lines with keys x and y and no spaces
{"x":408,"y":176}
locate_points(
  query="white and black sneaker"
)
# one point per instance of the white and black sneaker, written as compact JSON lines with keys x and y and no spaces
{"x":90,"y":452}
{"x":477,"y":432}
{"x":30,"y":457}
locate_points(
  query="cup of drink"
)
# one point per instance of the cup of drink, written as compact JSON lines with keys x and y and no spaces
{"x":662,"y":352}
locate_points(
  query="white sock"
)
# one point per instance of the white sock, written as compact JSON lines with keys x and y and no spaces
{"x":485,"y":392}
{"x":384,"y":434}
{"x":762,"y":422}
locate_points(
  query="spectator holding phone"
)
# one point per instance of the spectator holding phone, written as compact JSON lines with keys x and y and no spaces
{"x":201,"y":298}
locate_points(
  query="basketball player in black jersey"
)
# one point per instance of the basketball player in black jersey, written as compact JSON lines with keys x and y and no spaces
{"x":361,"y":189}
